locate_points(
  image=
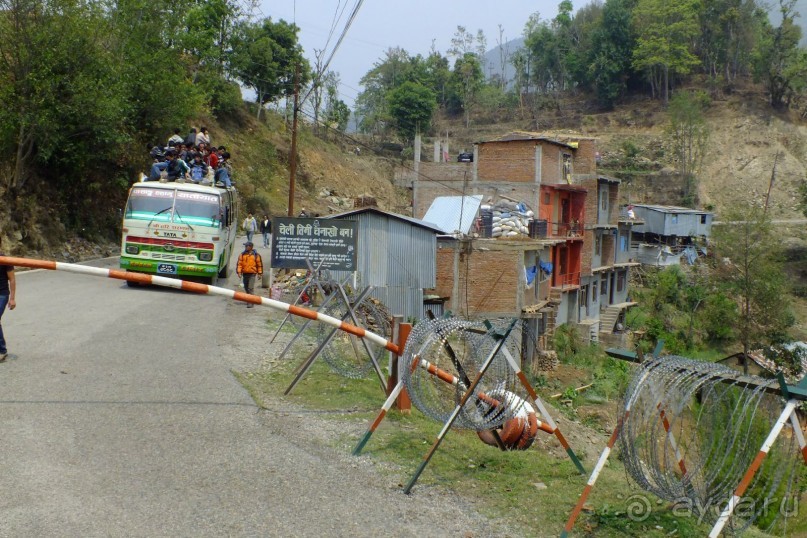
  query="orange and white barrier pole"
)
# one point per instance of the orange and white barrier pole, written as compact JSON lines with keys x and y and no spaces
{"x":195,"y":287}
{"x":752,"y":469}
{"x":599,"y":467}
{"x":542,"y":409}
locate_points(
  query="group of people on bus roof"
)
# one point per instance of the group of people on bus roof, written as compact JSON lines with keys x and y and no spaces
{"x":192,"y":158}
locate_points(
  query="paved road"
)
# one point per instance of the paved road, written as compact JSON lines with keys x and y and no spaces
{"x":119,"y":416}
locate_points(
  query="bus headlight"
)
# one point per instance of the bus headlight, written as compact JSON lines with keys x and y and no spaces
{"x":132,"y":249}
{"x":205,"y":256}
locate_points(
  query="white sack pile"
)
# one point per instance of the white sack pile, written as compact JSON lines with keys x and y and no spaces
{"x":511,"y":219}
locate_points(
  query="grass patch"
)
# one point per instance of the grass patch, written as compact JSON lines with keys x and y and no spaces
{"x":533,"y":490}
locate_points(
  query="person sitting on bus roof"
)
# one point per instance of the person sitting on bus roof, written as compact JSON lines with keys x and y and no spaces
{"x":173,"y":166}
{"x":176,"y":138}
{"x":202,"y":137}
{"x":198,"y":168}
{"x":177,"y":168}
{"x":223,"y":172}
{"x":211,"y":158}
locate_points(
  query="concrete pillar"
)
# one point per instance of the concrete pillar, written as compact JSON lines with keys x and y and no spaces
{"x":437,"y":158}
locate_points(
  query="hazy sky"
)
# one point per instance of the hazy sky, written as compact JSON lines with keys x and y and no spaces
{"x":411,"y":24}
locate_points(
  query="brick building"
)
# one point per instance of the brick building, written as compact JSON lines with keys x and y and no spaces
{"x":580,"y":259}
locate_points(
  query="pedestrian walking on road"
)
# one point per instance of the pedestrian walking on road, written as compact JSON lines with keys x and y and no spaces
{"x":266,"y":230}
{"x":8,"y":291}
{"x":250,"y":226}
{"x":249,"y":265}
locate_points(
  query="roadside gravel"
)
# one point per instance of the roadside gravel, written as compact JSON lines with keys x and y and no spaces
{"x":375,"y":505}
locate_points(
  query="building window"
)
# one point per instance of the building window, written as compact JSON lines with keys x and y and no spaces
{"x":604,"y":286}
{"x":620,"y":281}
{"x":566,"y":169}
{"x":703,"y":219}
{"x":604,"y":198}
{"x":547,"y":199}
{"x":675,"y":219}
{"x":598,"y":245}
{"x":623,"y":243}
{"x":594,"y":297}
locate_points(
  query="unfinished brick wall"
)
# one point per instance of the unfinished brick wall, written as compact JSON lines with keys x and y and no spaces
{"x":487,"y":281}
{"x":585,"y":163}
{"x":592,"y":199}
{"x":507,"y":161}
{"x":588,"y":252}
{"x":550,"y":164}
{"x":444,"y":281}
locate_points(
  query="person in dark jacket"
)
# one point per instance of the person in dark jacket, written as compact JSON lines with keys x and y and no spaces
{"x":8,"y":291}
{"x":266,"y":230}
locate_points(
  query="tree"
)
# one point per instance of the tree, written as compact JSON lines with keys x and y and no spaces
{"x":748,"y":269}
{"x":779,"y":62}
{"x":411,"y":106}
{"x":688,"y":133}
{"x":396,"y":67}
{"x":266,"y":56}
{"x":467,"y":78}
{"x":728,"y":32}
{"x":337,"y":113}
{"x":665,"y":30}
{"x":611,"y":46}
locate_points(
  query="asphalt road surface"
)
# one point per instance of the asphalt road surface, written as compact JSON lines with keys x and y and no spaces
{"x":119,"y":416}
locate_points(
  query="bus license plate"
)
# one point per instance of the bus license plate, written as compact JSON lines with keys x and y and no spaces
{"x":167,"y":269}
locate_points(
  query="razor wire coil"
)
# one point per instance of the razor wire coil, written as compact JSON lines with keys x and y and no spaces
{"x":691,"y":431}
{"x":459,"y":348}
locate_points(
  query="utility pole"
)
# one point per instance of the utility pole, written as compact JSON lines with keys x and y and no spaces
{"x":293,"y":164}
{"x":770,"y":185}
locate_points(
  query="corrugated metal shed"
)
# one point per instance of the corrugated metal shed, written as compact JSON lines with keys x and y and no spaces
{"x":672,"y":220}
{"x":454,"y":214}
{"x":395,"y":254}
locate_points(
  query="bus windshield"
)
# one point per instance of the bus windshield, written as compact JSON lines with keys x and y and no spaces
{"x":160,"y":205}
{"x":197,"y":209}
{"x":150,"y":204}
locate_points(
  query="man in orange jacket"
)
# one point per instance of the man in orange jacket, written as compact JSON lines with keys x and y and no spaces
{"x":249,"y":265}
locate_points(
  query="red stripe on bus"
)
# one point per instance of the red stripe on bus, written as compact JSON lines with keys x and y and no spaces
{"x":174,"y":242}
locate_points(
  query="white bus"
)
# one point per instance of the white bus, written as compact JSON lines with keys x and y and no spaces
{"x":179,"y":229}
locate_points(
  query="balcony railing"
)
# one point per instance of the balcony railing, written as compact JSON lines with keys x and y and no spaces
{"x":566,"y":229}
{"x":567,"y":280}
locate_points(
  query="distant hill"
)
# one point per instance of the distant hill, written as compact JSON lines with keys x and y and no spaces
{"x":493,"y":60}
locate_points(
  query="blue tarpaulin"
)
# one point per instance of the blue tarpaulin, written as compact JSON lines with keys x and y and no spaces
{"x":530,"y":273}
{"x":546,"y":267}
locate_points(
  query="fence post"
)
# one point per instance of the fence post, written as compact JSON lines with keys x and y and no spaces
{"x":400,"y":333}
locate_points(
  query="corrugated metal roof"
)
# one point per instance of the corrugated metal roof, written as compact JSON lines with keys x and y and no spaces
{"x":454,"y":213}
{"x":671,"y":209}
{"x":410,"y":220}
{"x":524,"y":135}
{"x":609,"y":179}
